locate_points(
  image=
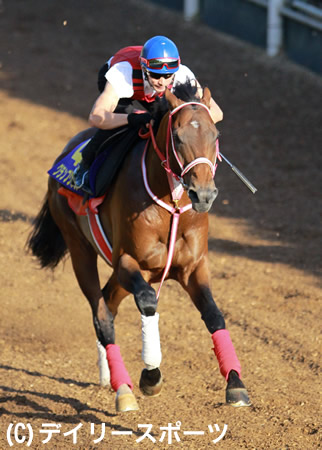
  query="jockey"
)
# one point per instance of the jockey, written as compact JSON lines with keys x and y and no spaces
{"x":131,"y":80}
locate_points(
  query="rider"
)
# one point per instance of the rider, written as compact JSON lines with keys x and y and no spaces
{"x":131,"y":80}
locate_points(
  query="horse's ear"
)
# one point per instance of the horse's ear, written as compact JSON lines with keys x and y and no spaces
{"x":206,"y":97}
{"x":171,"y":99}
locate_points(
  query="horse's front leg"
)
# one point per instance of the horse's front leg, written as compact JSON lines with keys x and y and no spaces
{"x":131,"y":279}
{"x":197,"y":285}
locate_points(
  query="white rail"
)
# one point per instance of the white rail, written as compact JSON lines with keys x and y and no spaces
{"x":308,"y":9}
{"x":274,"y":32}
{"x":301,"y":18}
{"x":296,"y":10}
{"x":190,"y":9}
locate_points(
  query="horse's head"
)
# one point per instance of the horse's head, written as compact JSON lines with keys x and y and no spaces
{"x":192,"y":149}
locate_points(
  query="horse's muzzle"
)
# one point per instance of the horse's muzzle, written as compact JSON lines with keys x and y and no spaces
{"x":202,"y":199}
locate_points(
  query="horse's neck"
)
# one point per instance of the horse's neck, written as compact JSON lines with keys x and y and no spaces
{"x":156,"y":175}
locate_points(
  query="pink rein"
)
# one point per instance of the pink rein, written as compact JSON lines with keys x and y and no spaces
{"x":175,"y":181}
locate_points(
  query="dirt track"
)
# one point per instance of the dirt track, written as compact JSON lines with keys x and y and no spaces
{"x":265,"y":250}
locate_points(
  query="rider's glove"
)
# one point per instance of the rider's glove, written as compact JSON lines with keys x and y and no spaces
{"x":138,"y":120}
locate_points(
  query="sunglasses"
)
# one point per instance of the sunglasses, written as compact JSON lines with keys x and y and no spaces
{"x":157,"y":76}
{"x":160,"y":63}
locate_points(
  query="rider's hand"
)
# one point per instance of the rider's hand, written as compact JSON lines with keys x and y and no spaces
{"x":139,"y":120}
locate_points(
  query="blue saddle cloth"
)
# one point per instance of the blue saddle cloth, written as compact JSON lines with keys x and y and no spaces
{"x":63,"y":170}
{"x":104,"y":168}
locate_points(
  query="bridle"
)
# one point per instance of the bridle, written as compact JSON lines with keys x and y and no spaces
{"x":165,"y":160}
{"x":200,"y":160}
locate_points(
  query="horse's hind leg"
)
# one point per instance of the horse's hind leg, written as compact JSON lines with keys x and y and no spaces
{"x":198,"y":288}
{"x":84,"y":260}
{"x":113,"y":294}
{"x":103,"y":319}
{"x":104,"y":371}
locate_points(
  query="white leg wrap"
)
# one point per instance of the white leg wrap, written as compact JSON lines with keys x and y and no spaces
{"x":104,"y":370}
{"x":151,"y":347}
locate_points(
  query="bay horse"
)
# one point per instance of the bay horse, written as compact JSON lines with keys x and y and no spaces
{"x":155,"y":216}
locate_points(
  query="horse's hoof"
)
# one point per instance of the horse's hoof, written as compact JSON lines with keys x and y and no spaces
{"x":126,"y":402}
{"x":151,"y":382}
{"x":237,"y":397}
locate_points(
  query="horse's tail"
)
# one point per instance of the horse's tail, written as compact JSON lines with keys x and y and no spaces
{"x":45,"y":240}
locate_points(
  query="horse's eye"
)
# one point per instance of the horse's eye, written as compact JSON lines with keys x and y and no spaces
{"x":216,"y":136}
{"x":176,"y":138}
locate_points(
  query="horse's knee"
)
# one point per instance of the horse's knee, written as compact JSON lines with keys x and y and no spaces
{"x":146,"y":301}
{"x":213,"y":318}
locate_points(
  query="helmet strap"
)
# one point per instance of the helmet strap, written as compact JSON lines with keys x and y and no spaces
{"x":146,"y":78}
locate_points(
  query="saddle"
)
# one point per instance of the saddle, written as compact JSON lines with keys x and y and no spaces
{"x":110,"y":157}
{"x":109,"y":160}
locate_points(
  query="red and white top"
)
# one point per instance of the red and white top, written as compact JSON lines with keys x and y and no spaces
{"x":127,"y":77}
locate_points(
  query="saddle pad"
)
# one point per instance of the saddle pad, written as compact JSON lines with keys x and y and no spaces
{"x":63,"y":170}
{"x":105,"y":166}
{"x":77,"y":204}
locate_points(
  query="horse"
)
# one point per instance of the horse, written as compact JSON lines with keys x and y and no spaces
{"x":155,"y":217}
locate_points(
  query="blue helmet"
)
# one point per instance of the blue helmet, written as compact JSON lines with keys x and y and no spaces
{"x":160,"y":55}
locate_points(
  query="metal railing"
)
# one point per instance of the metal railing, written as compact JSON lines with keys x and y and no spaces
{"x":297,"y":10}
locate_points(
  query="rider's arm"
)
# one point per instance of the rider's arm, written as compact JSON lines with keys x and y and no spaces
{"x":185,"y":73}
{"x":102,"y":114}
{"x":216,"y":113}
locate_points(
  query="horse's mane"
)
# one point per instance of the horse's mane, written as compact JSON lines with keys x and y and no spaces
{"x":184,"y":91}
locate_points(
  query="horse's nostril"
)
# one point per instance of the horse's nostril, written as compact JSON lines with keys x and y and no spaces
{"x":193,"y":196}
{"x":202,"y":196}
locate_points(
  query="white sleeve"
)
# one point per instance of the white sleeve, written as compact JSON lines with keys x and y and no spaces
{"x":120,"y":77}
{"x":183,"y":75}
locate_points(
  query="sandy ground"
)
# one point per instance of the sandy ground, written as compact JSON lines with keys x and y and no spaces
{"x":264,"y":250}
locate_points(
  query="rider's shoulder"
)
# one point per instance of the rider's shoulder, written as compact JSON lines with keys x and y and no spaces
{"x":120,"y":77}
{"x":183,"y":74}
{"x":121,"y":66}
